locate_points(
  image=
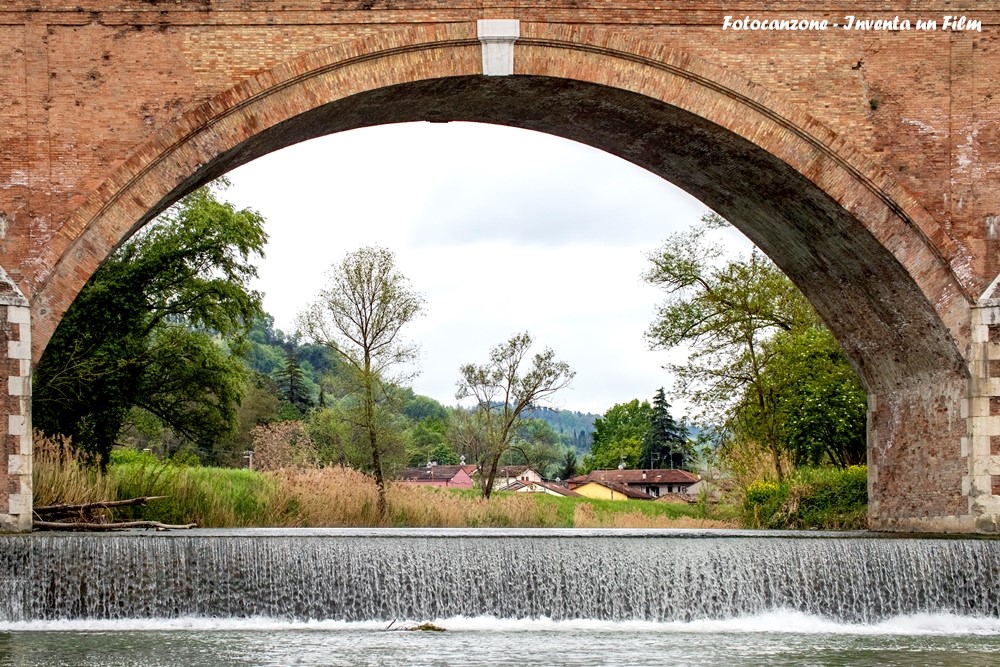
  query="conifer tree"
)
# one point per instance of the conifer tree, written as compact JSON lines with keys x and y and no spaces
{"x":291,"y":379}
{"x":665,"y":443}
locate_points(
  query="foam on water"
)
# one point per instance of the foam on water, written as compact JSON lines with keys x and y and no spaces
{"x":778,"y":622}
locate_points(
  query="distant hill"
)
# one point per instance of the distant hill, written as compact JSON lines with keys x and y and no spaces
{"x":575,"y":428}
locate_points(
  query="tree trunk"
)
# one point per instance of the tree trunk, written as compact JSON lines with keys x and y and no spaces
{"x":488,"y":485}
{"x":383,"y":506}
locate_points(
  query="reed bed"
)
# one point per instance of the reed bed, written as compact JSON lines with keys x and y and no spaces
{"x":318,"y":497}
{"x":61,"y":475}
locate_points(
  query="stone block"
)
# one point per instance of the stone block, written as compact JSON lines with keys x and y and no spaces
{"x":17,"y":349}
{"x":19,"y":315}
{"x":19,"y":464}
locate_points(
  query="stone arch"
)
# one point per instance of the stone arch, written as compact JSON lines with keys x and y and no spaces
{"x":885,"y":276}
{"x":797,"y":189}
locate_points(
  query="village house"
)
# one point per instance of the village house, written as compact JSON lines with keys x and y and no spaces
{"x":445,"y":476}
{"x":609,"y":490}
{"x":650,"y":483}
{"x":507,"y":475}
{"x":549,"y":488}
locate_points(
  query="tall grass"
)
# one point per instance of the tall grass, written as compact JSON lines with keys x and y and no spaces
{"x":209,"y":497}
{"x":61,"y":475}
{"x":343,"y":497}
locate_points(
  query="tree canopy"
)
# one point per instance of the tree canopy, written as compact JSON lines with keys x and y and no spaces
{"x":502,"y":389}
{"x":145,"y":331}
{"x":759,"y":358}
{"x":666,"y":441}
{"x":619,"y":436}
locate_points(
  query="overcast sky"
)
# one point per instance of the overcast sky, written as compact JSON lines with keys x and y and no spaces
{"x":502,"y":230}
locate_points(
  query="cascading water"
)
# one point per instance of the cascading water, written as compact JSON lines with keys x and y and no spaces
{"x":358,"y":575}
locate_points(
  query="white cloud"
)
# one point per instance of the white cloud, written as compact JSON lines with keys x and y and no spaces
{"x":503,"y":230}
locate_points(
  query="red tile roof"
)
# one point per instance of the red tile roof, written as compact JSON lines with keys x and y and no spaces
{"x":425,"y":474}
{"x":637,"y":477}
{"x":623,"y":489}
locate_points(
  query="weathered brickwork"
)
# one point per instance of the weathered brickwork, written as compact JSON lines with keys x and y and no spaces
{"x":864,"y":163}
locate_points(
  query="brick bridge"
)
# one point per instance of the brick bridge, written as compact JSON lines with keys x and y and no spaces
{"x":864,"y":162}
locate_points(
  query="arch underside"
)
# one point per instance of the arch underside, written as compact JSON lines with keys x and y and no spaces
{"x":886,"y":325}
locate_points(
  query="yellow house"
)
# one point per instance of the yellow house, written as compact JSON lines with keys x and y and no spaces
{"x":605,"y":490}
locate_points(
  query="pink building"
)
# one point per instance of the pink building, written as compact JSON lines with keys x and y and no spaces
{"x":449,"y":476}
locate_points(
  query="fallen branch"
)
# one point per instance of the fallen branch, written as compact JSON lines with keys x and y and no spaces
{"x":71,"y":525}
{"x":87,"y":507}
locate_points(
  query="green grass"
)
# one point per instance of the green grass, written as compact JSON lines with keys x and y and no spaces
{"x":826,"y":498}
{"x":215,"y":497}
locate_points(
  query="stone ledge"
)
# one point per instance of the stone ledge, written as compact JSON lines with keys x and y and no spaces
{"x":965,"y":524}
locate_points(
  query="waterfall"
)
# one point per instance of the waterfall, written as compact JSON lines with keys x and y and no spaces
{"x":356,"y":575}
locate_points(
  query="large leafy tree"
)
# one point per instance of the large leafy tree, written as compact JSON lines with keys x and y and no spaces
{"x":728,"y":315}
{"x":619,"y":436}
{"x":820,"y":404}
{"x":536,"y":444}
{"x":145,"y":331}
{"x":503,"y":389}
{"x":360,"y":316}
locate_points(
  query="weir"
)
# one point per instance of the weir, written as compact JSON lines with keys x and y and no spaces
{"x":417,"y":574}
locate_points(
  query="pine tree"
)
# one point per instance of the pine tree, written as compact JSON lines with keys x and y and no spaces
{"x":665,"y":443}
{"x":568,"y":468}
{"x":292,"y":382}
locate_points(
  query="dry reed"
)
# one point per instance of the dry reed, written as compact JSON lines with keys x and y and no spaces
{"x":338,"y":496}
{"x":61,"y":475}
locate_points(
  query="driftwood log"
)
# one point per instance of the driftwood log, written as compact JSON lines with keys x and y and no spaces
{"x":84,"y":516}
{"x":76,"y":525}
{"x":83,"y":508}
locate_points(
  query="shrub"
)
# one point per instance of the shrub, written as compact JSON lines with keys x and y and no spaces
{"x":827,"y":498}
{"x":763,"y":503}
{"x":283,"y":445}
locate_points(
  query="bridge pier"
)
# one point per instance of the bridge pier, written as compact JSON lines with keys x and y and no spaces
{"x":982,"y":444}
{"x":934,"y":444}
{"x":15,"y":430}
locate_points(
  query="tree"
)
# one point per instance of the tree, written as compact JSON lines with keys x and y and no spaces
{"x":535,"y":444}
{"x":727,"y":313}
{"x":665,"y":441}
{"x":619,"y":436}
{"x":260,"y":405}
{"x":292,"y":382}
{"x":502,"y":390}
{"x":427,"y":442}
{"x":282,"y":445}
{"x":569,"y":464}
{"x":146,"y":331}
{"x":820,"y":404}
{"x":360,"y":315}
